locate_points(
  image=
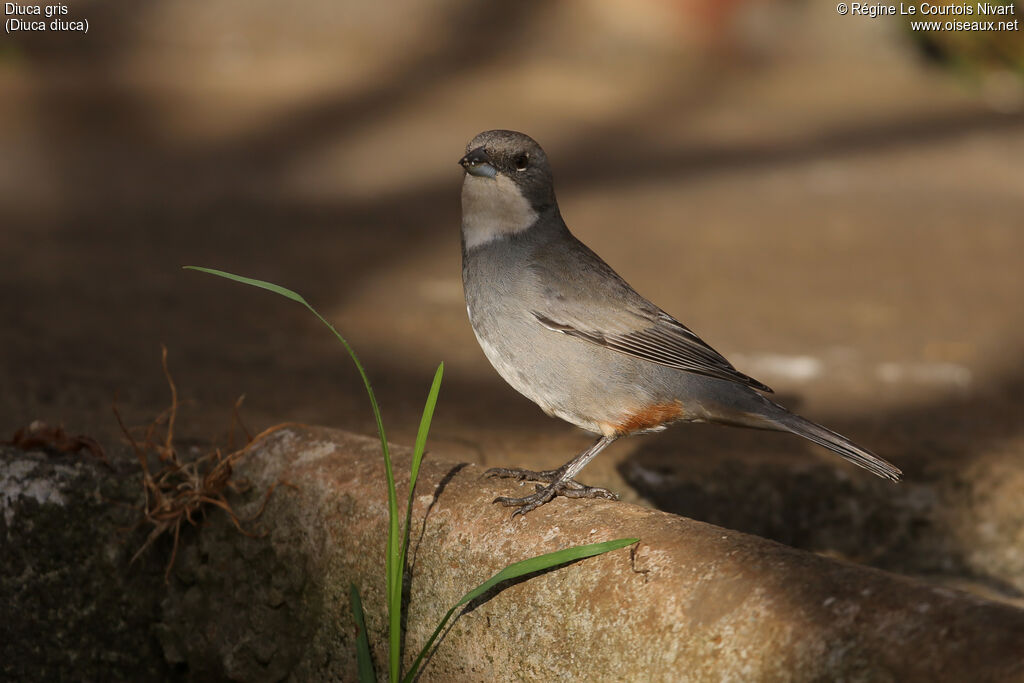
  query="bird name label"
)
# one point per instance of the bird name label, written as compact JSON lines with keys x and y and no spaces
{"x":20,"y":17}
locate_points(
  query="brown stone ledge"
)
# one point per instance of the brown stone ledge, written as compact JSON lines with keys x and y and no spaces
{"x":690,"y":601}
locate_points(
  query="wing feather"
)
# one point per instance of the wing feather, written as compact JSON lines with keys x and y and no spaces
{"x":578,"y":294}
{"x":674,"y":347}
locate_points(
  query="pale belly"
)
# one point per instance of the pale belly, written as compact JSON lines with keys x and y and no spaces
{"x":586,"y":385}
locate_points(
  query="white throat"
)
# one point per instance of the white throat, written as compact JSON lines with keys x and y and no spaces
{"x":492,"y":208}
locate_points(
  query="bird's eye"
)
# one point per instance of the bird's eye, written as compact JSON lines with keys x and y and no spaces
{"x":522,"y":162}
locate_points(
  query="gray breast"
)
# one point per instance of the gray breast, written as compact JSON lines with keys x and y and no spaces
{"x":575,"y":380}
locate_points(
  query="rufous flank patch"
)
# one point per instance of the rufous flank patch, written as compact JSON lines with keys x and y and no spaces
{"x":650,"y":417}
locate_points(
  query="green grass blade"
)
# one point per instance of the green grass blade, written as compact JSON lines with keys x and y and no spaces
{"x":294,"y":296}
{"x":417,"y":456}
{"x":392,"y":558}
{"x":417,"y":453}
{"x":514,"y":571}
{"x":363,"y":659}
{"x":546,"y":561}
{"x":262,"y":284}
{"x":421,"y":435}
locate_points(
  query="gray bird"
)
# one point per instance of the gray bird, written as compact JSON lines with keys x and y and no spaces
{"x":567,"y":332}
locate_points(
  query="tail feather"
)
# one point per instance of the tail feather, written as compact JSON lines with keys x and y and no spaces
{"x":839,"y":444}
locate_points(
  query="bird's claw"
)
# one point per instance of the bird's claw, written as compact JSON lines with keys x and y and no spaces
{"x":588,"y":492}
{"x":569,"y":488}
{"x":527,"y":503}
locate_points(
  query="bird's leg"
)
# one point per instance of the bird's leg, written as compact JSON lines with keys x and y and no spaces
{"x":561,"y":481}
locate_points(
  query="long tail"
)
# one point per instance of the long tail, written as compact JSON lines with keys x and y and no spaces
{"x":838,"y":443}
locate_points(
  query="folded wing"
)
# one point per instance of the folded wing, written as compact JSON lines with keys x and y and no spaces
{"x":588,"y":300}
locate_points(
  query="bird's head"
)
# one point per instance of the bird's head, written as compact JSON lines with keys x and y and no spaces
{"x":508,"y":185}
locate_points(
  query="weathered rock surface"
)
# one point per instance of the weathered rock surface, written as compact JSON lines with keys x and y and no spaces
{"x":958,"y":523}
{"x":70,"y":607}
{"x":690,"y":601}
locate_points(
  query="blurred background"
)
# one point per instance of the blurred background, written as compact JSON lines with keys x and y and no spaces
{"x":836,"y":203}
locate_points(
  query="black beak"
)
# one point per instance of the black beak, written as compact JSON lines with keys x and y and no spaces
{"x":476,"y":156}
{"x":477,"y":163}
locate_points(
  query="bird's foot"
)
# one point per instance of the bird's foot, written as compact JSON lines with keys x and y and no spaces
{"x":570,"y":488}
